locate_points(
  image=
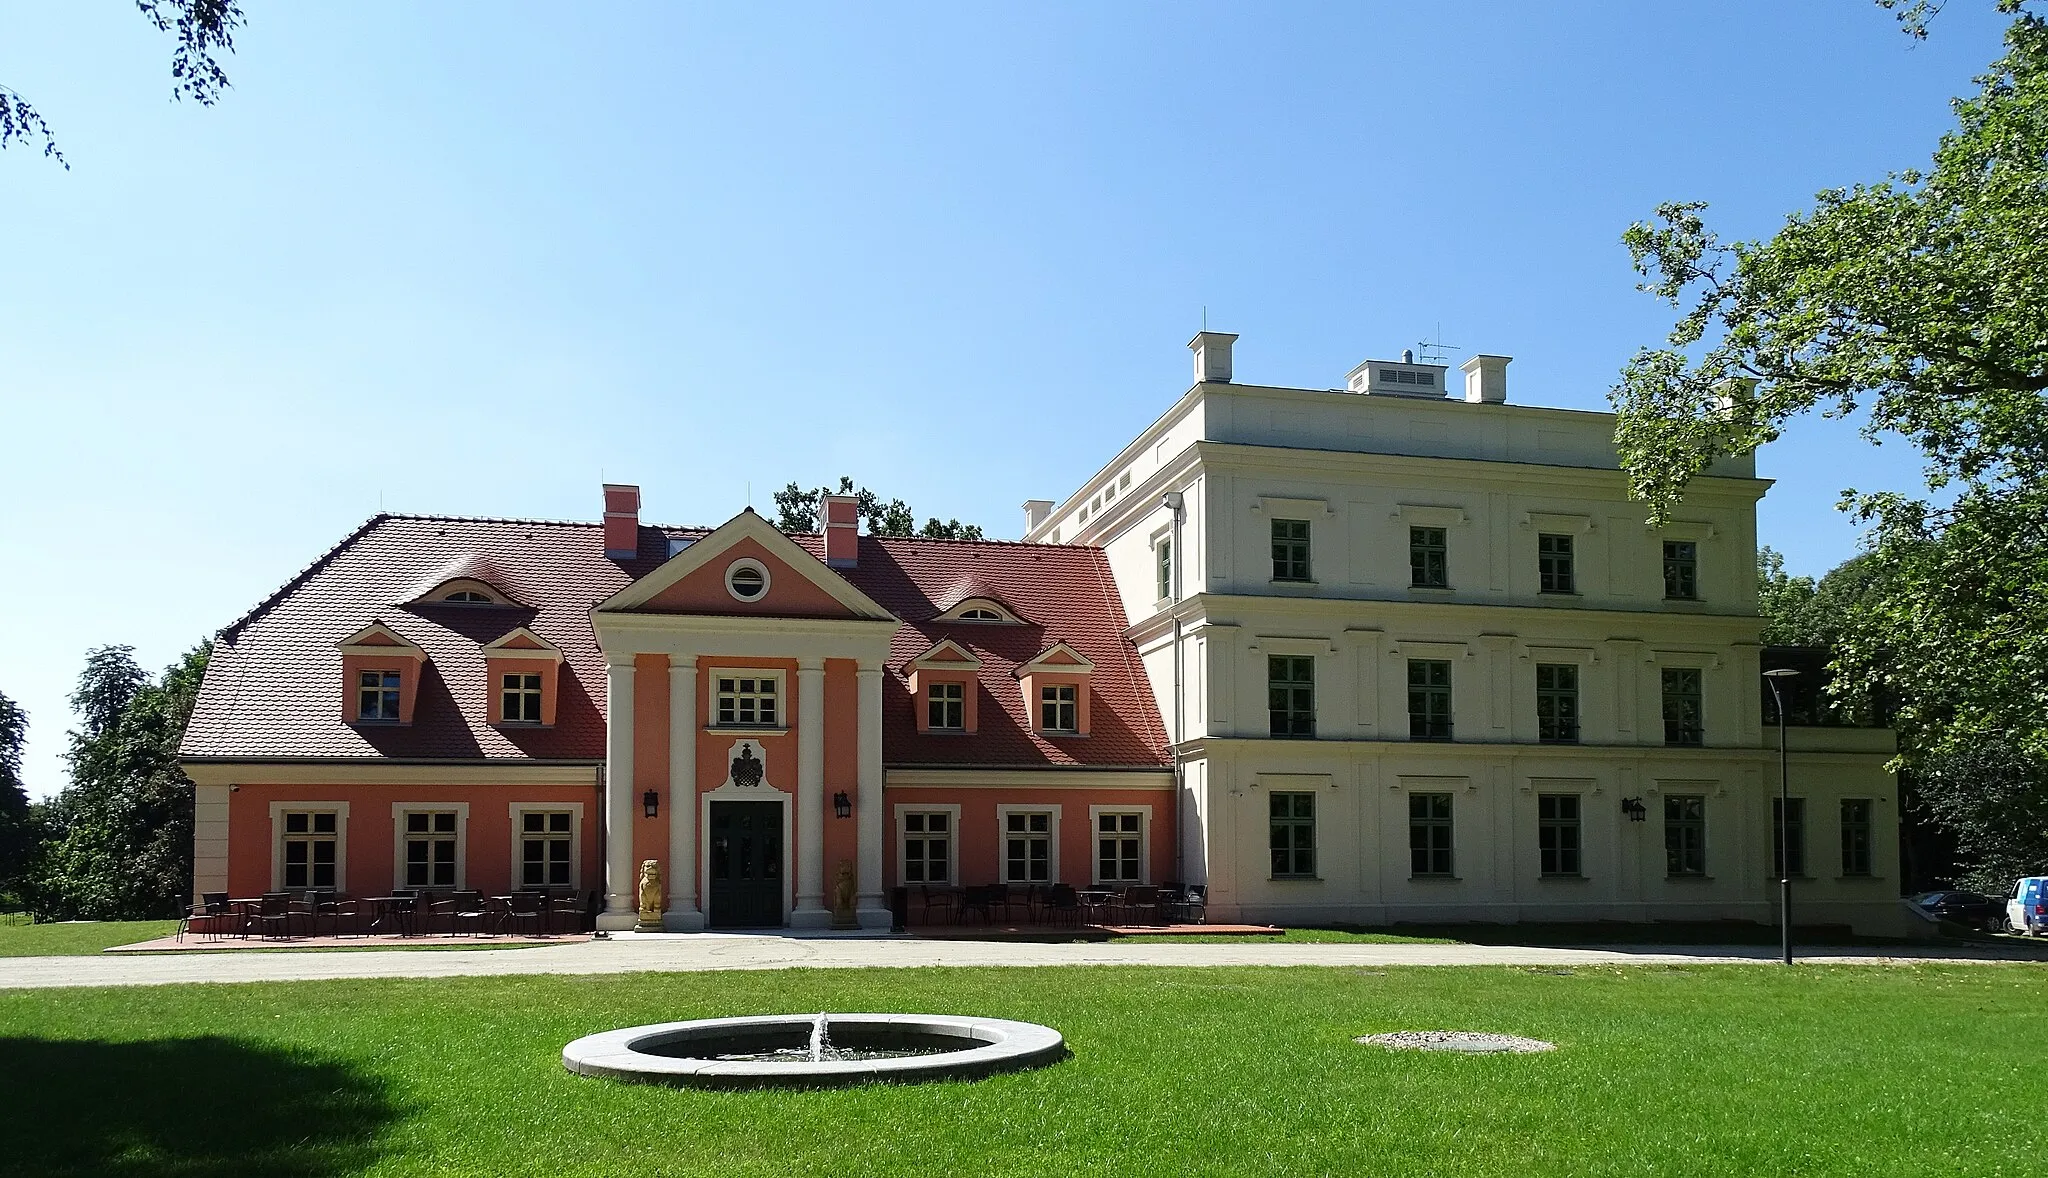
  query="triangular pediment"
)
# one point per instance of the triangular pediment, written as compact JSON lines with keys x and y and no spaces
{"x":948,"y":655}
{"x":378,"y":638}
{"x":1057,"y":657}
{"x":702,"y":579}
{"x":522,"y":643}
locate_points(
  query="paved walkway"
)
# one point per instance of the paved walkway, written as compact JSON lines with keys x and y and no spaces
{"x":629,"y":953}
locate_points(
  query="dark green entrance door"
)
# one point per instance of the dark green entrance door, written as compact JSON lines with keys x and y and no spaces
{"x":746,"y":864}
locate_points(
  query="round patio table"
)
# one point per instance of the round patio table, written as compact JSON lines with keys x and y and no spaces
{"x":397,"y":911}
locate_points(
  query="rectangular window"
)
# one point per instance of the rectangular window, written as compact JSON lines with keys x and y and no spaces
{"x":946,"y":705}
{"x":547,"y":849}
{"x":749,"y":701}
{"x":1162,"y":566}
{"x":1057,"y":710}
{"x":928,"y":847}
{"x":1681,"y":570}
{"x":1685,"y":834}
{"x":1557,"y":703}
{"x":1293,"y":829}
{"x":1428,"y":559}
{"x":1027,"y":847}
{"x":1788,"y":832}
{"x":1429,"y":699}
{"x":1429,"y":834}
{"x":377,"y":695}
{"x":1119,"y":847}
{"x":1557,"y":833}
{"x":1554,"y":563}
{"x":1291,"y":695}
{"x":1290,"y":550}
{"x":1855,"y":836}
{"x":309,"y":846}
{"x":521,"y":699}
{"x":429,"y":851}
{"x":1682,"y":706}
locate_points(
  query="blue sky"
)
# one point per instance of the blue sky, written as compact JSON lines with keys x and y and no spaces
{"x":474,"y":258}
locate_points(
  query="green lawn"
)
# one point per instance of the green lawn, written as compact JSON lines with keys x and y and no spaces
{"x":75,"y":938}
{"x":1703,"y":1070}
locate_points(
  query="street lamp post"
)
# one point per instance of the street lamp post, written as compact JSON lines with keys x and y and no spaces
{"x":1784,"y":816}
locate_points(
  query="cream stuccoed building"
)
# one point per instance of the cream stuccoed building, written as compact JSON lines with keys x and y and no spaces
{"x":1422,"y":659}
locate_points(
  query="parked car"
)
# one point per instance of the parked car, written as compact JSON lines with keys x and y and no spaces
{"x":1964,"y":908}
{"x":2027,"y":910}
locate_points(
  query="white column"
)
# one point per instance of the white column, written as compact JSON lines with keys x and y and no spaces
{"x":871,"y":909}
{"x":620,"y":904}
{"x":810,"y":796}
{"x":683,"y":915}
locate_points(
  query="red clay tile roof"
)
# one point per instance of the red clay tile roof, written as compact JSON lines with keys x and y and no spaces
{"x":273,"y":689}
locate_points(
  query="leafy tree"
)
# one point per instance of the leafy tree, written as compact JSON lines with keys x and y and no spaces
{"x":204,"y":28}
{"x":1923,"y":299}
{"x":796,"y":510}
{"x":120,"y":844}
{"x":17,"y":828}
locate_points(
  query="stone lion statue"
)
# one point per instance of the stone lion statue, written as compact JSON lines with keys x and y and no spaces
{"x":650,"y":891}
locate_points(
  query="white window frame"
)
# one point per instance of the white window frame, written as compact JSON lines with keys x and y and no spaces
{"x":538,"y":691}
{"x":1075,"y":704}
{"x":749,"y":564}
{"x":781,"y":698}
{"x":277,"y":835}
{"x":1144,"y":814}
{"x":517,"y":812}
{"x":396,"y":691}
{"x":398,"y":812}
{"x":931,"y":697}
{"x":1052,"y":852}
{"x":952,"y":812}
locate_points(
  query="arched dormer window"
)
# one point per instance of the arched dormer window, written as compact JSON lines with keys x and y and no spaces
{"x":470,"y":597}
{"x":980,"y":609}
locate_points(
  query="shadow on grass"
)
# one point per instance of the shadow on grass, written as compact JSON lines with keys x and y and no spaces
{"x":201,"y":1106}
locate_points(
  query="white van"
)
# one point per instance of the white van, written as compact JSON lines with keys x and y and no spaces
{"x":2026,"y":911}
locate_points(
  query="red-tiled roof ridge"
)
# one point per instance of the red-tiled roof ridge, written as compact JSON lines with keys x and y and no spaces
{"x":228,"y":632}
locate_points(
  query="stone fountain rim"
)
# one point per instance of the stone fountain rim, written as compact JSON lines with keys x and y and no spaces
{"x":1002,"y":1045}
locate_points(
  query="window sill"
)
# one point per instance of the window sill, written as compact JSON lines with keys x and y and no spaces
{"x":362,"y":723}
{"x":1567,"y":743}
{"x":1294,"y":879}
{"x":1431,"y":740}
{"x":1290,"y":736}
{"x":1059,"y":734}
{"x":1431,"y":589}
{"x":942,"y":731}
{"x":1558,"y":593}
{"x":1858,"y":878}
{"x":1563,"y":879}
{"x":1304,"y":582}
{"x":746,"y":730}
{"x":1688,"y":878}
{"x":1436,"y":879}
{"x":519,"y":724}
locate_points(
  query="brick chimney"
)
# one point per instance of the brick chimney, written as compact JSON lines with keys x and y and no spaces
{"x":839,"y":519}
{"x":621,"y":521}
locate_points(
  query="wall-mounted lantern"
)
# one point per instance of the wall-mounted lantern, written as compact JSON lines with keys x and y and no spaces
{"x":651,"y":803}
{"x":1634,"y":808}
{"x":842,"y":806}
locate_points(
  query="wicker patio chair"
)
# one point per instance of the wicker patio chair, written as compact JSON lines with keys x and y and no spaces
{"x":212,"y":918}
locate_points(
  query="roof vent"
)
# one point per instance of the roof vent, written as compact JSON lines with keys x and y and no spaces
{"x":1398,"y":378}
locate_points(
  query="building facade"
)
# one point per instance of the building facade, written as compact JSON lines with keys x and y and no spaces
{"x":785,"y":726}
{"x":1421,"y":659}
{"x":1368,"y":654}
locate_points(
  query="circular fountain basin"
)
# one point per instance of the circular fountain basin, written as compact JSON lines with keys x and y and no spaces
{"x":893,"y":1048}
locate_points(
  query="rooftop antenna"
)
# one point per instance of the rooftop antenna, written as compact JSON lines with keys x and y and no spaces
{"x":1434,"y":351}
{"x":1205,"y":317}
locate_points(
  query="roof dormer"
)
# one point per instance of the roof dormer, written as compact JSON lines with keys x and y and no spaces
{"x":945,"y":686}
{"x":472,"y":579}
{"x":380,"y":670}
{"x":525,"y":672}
{"x":1056,"y":689}
{"x":980,"y":609}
